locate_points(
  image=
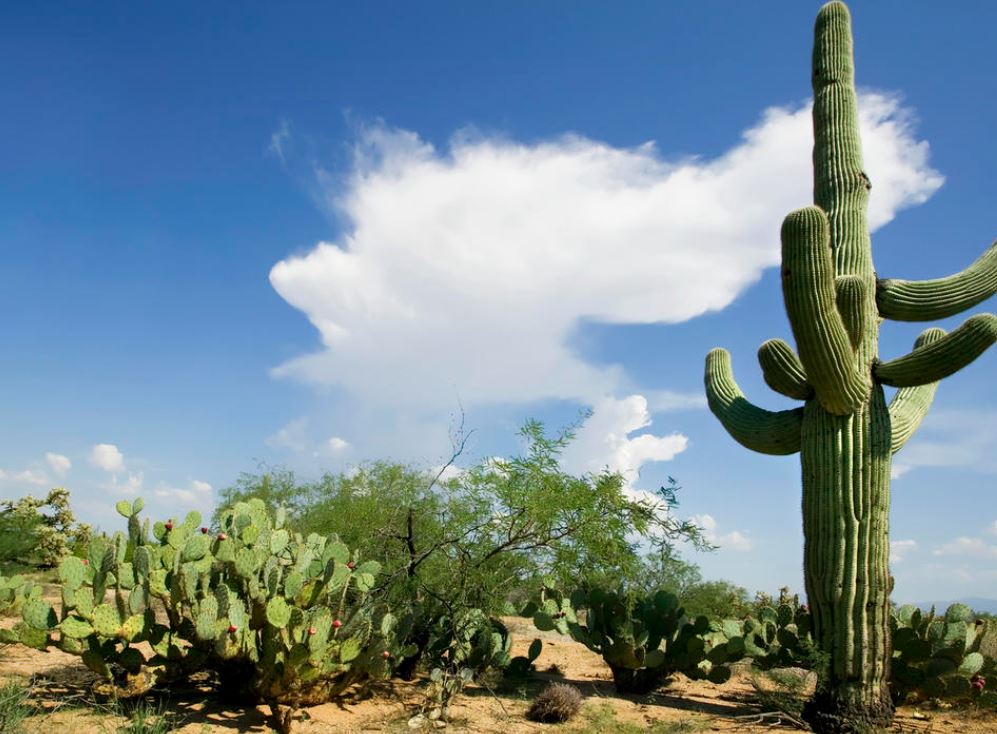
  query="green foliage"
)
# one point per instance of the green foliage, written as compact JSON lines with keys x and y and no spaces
{"x":13,"y":706}
{"x":146,"y":718}
{"x":474,"y":540}
{"x":39,"y":532}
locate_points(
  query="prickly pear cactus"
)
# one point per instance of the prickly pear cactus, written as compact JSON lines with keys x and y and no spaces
{"x":845,"y":431}
{"x":938,"y":656}
{"x":281,"y":618}
{"x":644,"y":640}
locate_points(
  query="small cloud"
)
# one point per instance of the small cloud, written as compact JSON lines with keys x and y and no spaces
{"x":734,"y":540}
{"x":448,"y":472}
{"x":900,"y":548}
{"x":603,"y":440}
{"x":337,"y":445}
{"x":106,"y":456}
{"x":131,"y":486}
{"x":964,"y":546}
{"x":291,"y":436}
{"x":666,"y":401}
{"x":278,"y":139}
{"x":58,"y":463}
{"x":28,"y":476}
{"x":199,"y":486}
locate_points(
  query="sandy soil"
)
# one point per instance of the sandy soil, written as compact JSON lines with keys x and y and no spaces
{"x":61,"y":690}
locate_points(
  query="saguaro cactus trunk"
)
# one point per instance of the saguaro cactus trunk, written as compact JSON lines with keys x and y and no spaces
{"x":845,"y":431}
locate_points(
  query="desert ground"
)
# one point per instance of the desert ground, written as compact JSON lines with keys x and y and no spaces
{"x":62,"y":696}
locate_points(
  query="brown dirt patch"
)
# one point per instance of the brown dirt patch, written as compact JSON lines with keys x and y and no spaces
{"x":61,"y":691}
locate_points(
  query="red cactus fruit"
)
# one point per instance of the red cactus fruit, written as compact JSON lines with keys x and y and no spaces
{"x":385,"y":654}
{"x":204,"y":530}
{"x":351,"y":565}
{"x":336,"y":623}
{"x":312,"y":630}
{"x":222,"y":536}
{"x":86,"y":562}
{"x":232,"y":628}
{"x":168,"y":524}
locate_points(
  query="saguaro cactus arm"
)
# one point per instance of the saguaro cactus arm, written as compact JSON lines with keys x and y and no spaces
{"x":927,"y":300}
{"x":910,"y":404}
{"x":783,"y":371}
{"x":850,"y":295}
{"x":946,"y":356}
{"x":810,"y":295}
{"x":764,"y":431}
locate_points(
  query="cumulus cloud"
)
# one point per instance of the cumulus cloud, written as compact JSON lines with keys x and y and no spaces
{"x":58,"y":463}
{"x":471,"y":267}
{"x":734,"y":540}
{"x":337,"y":445}
{"x":106,"y":456}
{"x":603,"y":441}
{"x":899,"y":549}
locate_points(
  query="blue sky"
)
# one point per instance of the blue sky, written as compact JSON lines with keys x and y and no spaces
{"x":528,"y":210}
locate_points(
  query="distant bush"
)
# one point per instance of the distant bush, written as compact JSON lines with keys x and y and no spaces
{"x":38,"y":532}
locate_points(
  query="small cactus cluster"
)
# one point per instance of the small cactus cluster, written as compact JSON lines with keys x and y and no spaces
{"x":289,"y":617}
{"x":644,"y":640}
{"x":778,"y":636}
{"x":939,"y":656}
{"x":555,"y":704}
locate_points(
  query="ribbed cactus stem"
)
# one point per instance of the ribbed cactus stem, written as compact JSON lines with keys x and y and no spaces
{"x":846,"y":434}
{"x":808,"y":287}
{"x":783,"y":371}
{"x":911,"y":404}
{"x":942,"y":357}
{"x":927,"y":300}
{"x":764,"y":431}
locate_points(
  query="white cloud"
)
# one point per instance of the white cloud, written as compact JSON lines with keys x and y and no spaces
{"x":291,"y":436}
{"x":963,"y":438}
{"x":106,"y":456}
{"x":131,"y":486}
{"x":899,"y":549}
{"x":58,"y":463}
{"x":666,"y":401}
{"x":197,"y":493}
{"x":337,"y":445}
{"x":993,"y":528}
{"x":603,"y":440}
{"x":470,"y":268}
{"x":278,"y":139}
{"x":27,"y":476}
{"x":734,"y":540}
{"x":964,"y":546}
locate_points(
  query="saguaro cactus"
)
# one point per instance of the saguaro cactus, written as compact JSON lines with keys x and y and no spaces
{"x":845,"y":432}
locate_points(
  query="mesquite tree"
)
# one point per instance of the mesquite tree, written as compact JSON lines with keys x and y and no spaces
{"x":845,"y":432}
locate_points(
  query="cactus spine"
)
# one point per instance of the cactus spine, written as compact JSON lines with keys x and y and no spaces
{"x":845,"y":431}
